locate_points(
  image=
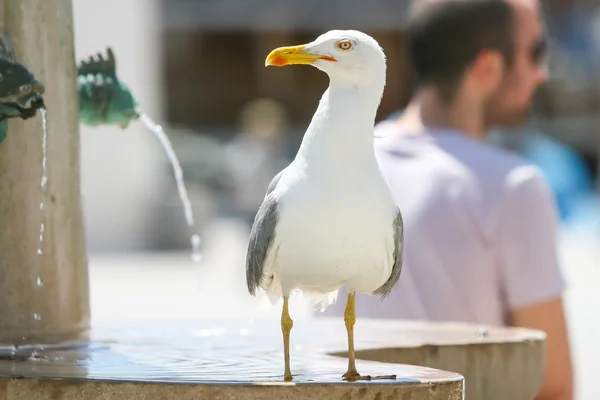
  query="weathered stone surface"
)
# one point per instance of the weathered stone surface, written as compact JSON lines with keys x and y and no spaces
{"x":62,"y":390}
{"x":58,"y":308}
{"x":498,"y":363}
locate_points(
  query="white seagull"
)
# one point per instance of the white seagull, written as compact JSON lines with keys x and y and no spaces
{"x":329,"y":218}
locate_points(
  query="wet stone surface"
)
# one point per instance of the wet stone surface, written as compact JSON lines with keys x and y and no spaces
{"x":207,"y":351}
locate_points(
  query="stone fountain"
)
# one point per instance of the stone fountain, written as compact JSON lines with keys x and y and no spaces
{"x":48,"y":350}
{"x":42,"y":34}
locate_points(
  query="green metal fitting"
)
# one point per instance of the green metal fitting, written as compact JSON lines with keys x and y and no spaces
{"x":103,"y":98}
{"x":20,"y":92}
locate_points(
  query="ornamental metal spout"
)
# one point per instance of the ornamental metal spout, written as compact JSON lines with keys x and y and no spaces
{"x":20,"y":92}
{"x":103,"y":98}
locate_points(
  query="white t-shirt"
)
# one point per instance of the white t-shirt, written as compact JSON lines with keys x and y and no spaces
{"x":480,"y":230}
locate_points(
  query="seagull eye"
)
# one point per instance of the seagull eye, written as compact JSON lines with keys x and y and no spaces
{"x":344,"y":45}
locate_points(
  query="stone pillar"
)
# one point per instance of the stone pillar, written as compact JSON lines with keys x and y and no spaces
{"x":43,"y":298}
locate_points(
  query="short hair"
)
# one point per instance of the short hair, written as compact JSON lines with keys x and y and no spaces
{"x":445,"y":36}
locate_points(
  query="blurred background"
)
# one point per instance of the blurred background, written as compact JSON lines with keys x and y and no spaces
{"x":197,"y":67}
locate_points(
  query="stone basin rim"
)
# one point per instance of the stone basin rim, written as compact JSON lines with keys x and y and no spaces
{"x":343,"y":352}
{"x":451,"y":378}
{"x":501,"y":333}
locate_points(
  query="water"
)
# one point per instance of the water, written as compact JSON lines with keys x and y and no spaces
{"x":178,"y":173}
{"x":214,"y":351}
{"x":44,"y":187}
{"x":44,"y":180}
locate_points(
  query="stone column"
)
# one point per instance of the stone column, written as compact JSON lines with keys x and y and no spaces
{"x":44,"y":298}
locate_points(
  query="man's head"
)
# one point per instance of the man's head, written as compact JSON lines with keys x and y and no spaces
{"x":489,"y":51}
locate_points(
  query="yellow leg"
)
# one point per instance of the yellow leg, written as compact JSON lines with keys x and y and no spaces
{"x":350,"y":320}
{"x":286,"y":328}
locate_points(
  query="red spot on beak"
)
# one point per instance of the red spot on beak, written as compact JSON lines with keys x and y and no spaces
{"x":280,"y":62}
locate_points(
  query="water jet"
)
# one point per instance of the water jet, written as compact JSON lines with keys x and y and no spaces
{"x":105,"y":100}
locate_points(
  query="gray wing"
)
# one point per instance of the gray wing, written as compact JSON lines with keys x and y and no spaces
{"x":261,"y":237}
{"x":387,"y":287}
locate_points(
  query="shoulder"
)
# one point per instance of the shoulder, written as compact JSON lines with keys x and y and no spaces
{"x":517,"y":183}
{"x":496,"y":167}
{"x":526,"y":179}
{"x":480,"y":157}
{"x":487,"y":158}
{"x":527,"y":193}
{"x":497,"y":170}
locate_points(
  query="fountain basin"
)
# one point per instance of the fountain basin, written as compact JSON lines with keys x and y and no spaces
{"x":231,"y":358}
{"x":167,"y":301}
{"x":212,"y":359}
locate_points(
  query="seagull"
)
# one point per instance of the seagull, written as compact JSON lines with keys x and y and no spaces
{"x":329,"y":218}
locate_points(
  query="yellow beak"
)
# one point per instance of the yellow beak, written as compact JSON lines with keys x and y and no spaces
{"x":293,"y":55}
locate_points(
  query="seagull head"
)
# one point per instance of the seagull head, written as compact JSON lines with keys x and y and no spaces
{"x":347,"y":56}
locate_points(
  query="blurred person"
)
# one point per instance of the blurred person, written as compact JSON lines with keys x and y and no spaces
{"x":257,"y":153}
{"x":480,"y":222}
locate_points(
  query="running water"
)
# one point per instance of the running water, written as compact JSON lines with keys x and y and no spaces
{"x":178,"y":173}
{"x":44,"y":187}
{"x":44,"y":180}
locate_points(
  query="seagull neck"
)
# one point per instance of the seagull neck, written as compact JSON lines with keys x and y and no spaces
{"x":344,"y":97}
{"x":341,"y":130}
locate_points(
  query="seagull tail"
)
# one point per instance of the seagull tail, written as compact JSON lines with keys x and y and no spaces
{"x":267,"y":300}
{"x":322,"y":299}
